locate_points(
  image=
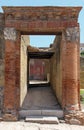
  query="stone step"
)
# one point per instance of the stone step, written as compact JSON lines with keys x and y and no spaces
{"x":42,"y":119}
{"x":32,"y":85}
{"x":57,"y":113}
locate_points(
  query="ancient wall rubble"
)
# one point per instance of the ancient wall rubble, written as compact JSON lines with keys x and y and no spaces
{"x":76,"y":118}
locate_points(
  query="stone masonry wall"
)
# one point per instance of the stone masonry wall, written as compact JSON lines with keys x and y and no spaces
{"x":56,"y":73}
{"x":81,"y":72}
{"x":1,"y":60}
{"x":23,"y":81}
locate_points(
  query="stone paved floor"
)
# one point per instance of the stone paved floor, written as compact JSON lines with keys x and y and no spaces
{"x":40,"y":98}
{"x":34,"y":126}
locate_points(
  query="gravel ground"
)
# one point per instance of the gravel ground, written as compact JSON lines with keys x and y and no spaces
{"x":21,"y":125}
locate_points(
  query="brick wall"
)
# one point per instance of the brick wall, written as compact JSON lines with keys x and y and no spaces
{"x":1,"y":60}
{"x":41,"y":20}
{"x":70,"y":69}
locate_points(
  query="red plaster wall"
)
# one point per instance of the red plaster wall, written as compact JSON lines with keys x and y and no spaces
{"x":37,"y":69}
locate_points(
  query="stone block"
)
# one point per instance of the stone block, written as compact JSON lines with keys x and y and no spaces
{"x":24,"y":113}
{"x":74,"y":122}
{"x":57,"y":113}
{"x":76,"y":118}
{"x":42,"y":119}
{"x":9,"y":117}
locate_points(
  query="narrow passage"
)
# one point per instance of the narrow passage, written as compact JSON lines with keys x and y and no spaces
{"x":39,"y":98}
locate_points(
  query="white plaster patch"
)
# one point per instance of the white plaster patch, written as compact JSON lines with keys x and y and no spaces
{"x":10,"y":34}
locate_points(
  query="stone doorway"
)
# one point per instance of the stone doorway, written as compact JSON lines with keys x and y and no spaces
{"x":61,"y":21}
{"x":40,"y":99}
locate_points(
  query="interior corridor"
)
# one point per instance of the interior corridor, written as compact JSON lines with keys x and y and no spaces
{"x":39,"y":98}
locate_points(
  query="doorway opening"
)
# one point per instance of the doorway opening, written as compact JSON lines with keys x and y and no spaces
{"x":43,"y":87}
{"x":39,"y":72}
{"x":39,"y":66}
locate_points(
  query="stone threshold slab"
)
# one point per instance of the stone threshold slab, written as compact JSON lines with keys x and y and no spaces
{"x":42,"y":119}
{"x":57,"y":113}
